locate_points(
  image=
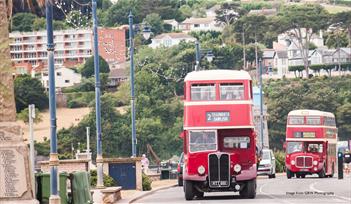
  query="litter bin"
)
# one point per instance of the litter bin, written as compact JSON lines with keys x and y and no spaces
{"x":43,"y":191}
{"x":165,"y":174}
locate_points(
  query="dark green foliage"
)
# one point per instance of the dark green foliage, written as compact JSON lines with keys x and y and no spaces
{"x":146,"y":182}
{"x":331,"y":94}
{"x":29,"y":91}
{"x":279,"y":161}
{"x":108,"y":180}
{"x":23,"y":22}
{"x":88,"y":68}
{"x":256,"y":5}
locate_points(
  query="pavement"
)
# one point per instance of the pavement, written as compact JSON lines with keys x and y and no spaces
{"x":129,"y":196}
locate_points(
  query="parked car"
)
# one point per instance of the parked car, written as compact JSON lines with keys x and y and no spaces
{"x":267,"y":164}
{"x":180,"y":169}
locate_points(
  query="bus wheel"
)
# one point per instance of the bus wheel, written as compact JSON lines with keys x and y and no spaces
{"x":303,"y":175}
{"x":249,"y":191}
{"x":289,"y":174}
{"x":189,"y":190}
{"x":321,"y":174}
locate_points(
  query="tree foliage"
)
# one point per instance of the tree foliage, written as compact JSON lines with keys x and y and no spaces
{"x":29,"y":91}
{"x":88,"y":69}
{"x":24,"y":116}
{"x":23,"y":22}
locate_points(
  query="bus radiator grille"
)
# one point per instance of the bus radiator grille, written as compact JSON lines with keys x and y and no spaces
{"x":219,"y":170}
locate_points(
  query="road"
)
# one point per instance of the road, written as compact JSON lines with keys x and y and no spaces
{"x":279,"y":190}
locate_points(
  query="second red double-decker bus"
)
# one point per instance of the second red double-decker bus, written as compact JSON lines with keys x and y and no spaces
{"x":219,"y":136}
{"x":311,"y":138}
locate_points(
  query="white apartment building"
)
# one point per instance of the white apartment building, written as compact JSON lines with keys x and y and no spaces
{"x":71,"y":47}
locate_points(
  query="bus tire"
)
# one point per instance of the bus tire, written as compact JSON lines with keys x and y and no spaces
{"x":333,"y":171}
{"x":289,"y":174}
{"x":189,"y":190}
{"x":199,"y":194}
{"x":249,"y":191}
{"x":303,"y":175}
{"x":321,"y":174}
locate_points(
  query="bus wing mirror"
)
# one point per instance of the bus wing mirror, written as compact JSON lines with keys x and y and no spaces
{"x":181,"y":135}
{"x":284,"y":146}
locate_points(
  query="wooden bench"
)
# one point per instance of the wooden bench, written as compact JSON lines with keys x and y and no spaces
{"x":111,"y":194}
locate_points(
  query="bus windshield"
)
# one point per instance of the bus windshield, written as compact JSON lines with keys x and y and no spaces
{"x":294,"y":147}
{"x":314,"y":147}
{"x":202,"y":141}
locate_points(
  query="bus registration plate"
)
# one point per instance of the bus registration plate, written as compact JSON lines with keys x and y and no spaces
{"x":304,"y":170}
{"x":219,"y":183}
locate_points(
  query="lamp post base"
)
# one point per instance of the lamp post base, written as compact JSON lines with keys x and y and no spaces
{"x":54,"y":199}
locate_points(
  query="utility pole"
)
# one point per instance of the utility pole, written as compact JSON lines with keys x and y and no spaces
{"x":99,"y":159}
{"x":244,"y":51}
{"x":132,"y":96}
{"x":197,"y":50}
{"x":256,"y":57}
{"x":88,"y":140}
{"x":31,"y":116}
{"x":53,"y":161}
{"x":261,"y":105}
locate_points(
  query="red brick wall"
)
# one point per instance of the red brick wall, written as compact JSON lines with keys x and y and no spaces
{"x":112,"y":44}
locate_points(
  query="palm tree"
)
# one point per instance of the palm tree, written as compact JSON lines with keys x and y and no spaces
{"x":7,"y":99}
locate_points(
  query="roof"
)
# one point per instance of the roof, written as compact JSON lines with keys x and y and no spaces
{"x":174,"y":35}
{"x":199,"y":20}
{"x":118,"y":73}
{"x":264,"y":11}
{"x":217,"y":74}
{"x":170,"y":21}
{"x":306,"y":112}
{"x":268,"y":54}
{"x":347,"y":50}
{"x":282,"y":54}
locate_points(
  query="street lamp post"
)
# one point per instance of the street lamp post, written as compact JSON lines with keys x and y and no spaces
{"x":261,"y":105}
{"x":53,"y":160}
{"x":146,"y":35}
{"x":99,"y":159}
{"x":132,"y":97}
{"x":209,"y":56}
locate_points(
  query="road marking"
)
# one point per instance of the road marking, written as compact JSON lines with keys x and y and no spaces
{"x":320,"y":191}
{"x":271,"y":196}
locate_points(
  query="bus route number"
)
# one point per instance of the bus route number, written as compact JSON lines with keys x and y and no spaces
{"x":218,"y":116}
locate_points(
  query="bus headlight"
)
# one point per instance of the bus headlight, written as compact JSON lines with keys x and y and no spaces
{"x":201,"y":170}
{"x":293,"y":162}
{"x":315,"y":162}
{"x":237,"y":168}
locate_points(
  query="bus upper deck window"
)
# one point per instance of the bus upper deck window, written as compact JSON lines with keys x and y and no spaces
{"x":233,"y":91}
{"x":203,"y":92}
{"x":310,"y":120}
{"x":296,"y":120}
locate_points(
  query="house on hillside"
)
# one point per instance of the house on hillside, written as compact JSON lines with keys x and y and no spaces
{"x":268,"y":58}
{"x":200,"y":24}
{"x":322,"y":56}
{"x":281,"y":62}
{"x":296,"y":59}
{"x":170,"y":39}
{"x":342,"y":55}
{"x":173,"y":23}
{"x":64,"y":77}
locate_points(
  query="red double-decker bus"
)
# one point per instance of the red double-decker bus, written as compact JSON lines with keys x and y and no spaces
{"x":219,"y":136}
{"x":311,"y":138}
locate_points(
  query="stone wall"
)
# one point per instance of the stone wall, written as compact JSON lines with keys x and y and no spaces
{"x":69,"y":165}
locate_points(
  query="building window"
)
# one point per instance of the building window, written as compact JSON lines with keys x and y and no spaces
{"x":196,"y":25}
{"x":58,"y":74}
{"x":18,"y":40}
{"x":167,"y":42}
{"x":66,"y":81}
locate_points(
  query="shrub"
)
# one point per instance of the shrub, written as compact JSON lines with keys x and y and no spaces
{"x":279,"y":161}
{"x":146,"y":183}
{"x":76,"y":104}
{"x":108,"y":180}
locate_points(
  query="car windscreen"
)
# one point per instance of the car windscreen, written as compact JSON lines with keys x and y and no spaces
{"x":266,"y":155}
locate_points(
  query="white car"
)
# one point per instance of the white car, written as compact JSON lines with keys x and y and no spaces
{"x":267,"y":164}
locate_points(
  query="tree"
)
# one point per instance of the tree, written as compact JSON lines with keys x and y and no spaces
{"x":88,"y":69}
{"x":343,"y":19}
{"x":186,"y":11}
{"x":154,"y":20}
{"x":229,"y":13}
{"x":24,"y":116}
{"x":75,"y":19}
{"x":40,"y":24}
{"x":300,"y":22}
{"x":23,"y":22}
{"x":336,"y":39}
{"x":29,"y":91}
